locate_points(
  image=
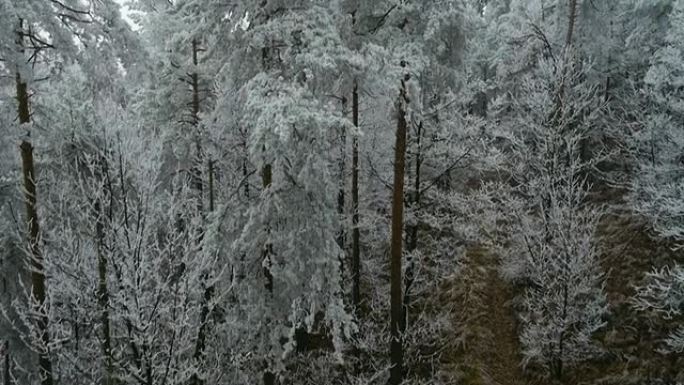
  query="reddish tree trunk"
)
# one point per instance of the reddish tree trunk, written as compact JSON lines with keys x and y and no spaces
{"x":38,"y":286}
{"x":396,"y":255}
{"x":412,"y":231}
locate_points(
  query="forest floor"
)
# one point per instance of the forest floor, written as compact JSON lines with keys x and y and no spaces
{"x":630,"y":355}
{"x":490,"y":353}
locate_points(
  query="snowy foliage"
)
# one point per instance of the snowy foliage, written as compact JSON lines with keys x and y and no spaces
{"x":663,"y":295}
{"x":657,"y":189}
{"x":205,"y":177}
{"x":549,"y":242}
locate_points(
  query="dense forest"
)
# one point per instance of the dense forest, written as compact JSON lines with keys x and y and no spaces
{"x":348,"y":192}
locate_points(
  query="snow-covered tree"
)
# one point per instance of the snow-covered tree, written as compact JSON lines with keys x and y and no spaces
{"x":286,"y":255}
{"x":38,"y":39}
{"x":546,"y":113}
{"x":316,"y":191}
{"x":657,"y":189}
{"x":552,"y":242}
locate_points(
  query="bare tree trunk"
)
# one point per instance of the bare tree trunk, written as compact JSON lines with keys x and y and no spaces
{"x":197,"y":170}
{"x":245,"y":178}
{"x":412,"y":230}
{"x":560,"y":95}
{"x":396,"y":255}
{"x":212,"y":198}
{"x":572,"y":18}
{"x":561,"y":338}
{"x":6,"y":369}
{"x":268,"y":376}
{"x":38,"y":287}
{"x":266,"y":179}
{"x":267,"y":172}
{"x":136,"y":351}
{"x":356,"y":250}
{"x":341,"y":196}
{"x":244,"y":175}
{"x":200,"y":343}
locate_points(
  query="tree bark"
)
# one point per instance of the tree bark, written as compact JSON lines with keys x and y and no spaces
{"x":572,"y":17}
{"x":208,"y":293}
{"x":356,"y":250}
{"x":341,"y":196}
{"x":412,"y":230}
{"x":38,"y":288}
{"x":38,"y":285}
{"x":197,"y":170}
{"x":268,"y":377}
{"x":560,"y":95}
{"x":267,"y":179}
{"x":6,"y":368}
{"x":396,"y":255}
{"x":558,"y":370}
{"x":200,"y":343}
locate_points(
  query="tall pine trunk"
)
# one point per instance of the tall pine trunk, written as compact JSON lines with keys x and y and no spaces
{"x":341,"y":194}
{"x":266,"y":179}
{"x":396,"y":303}
{"x":356,"y":250}
{"x":38,"y":285}
{"x":268,"y":376}
{"x":412,"y":230}
{"x":195,"y":105}
{"x":200,"y":342}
